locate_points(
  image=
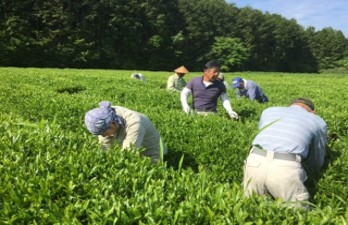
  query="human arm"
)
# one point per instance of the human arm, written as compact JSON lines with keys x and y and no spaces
{"x":135,"y":133}
{"x":171,"y":84}
{"x":227,"y":105}
{"x":317,"y":149}
{"x":252,"y":94}
{"x":227,"y":86}
{"x":255,"y":92}
{"x":106,"y":142}
{"x":185,"y":93}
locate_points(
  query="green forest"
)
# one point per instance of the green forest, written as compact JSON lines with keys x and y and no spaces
{"x":159,"y":35}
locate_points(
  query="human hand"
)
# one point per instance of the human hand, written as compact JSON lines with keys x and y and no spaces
{"x":187,"y":110}
{"x":233,"y":115}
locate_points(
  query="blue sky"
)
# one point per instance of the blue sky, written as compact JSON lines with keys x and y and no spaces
{"x":316,"y":13}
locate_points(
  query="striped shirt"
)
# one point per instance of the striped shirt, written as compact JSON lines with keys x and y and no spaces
{"x":292,"y":130}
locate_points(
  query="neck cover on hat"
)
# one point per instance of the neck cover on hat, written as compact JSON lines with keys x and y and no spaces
{"x":98,"y":120}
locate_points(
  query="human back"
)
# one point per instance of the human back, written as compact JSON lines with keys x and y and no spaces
{"x":288,"y":129}
{"x":291,"y":142}
{"x":129,"y":128}
{"x":138,"y":132}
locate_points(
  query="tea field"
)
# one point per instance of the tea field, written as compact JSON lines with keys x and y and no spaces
{"x":53,"y":171}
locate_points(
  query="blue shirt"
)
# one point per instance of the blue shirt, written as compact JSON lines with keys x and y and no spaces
{"x":292,"y":130}
{"x":253,"y":91}
{"x":205,"y":98}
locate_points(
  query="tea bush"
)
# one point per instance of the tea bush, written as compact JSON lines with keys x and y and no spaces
{"x":54,"y":172}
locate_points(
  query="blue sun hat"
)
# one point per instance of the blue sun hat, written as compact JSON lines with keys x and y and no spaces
{"x":98,"y":120}
{"x":237,"y":81}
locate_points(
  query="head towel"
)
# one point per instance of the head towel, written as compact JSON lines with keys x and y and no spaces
{"x":99,"y":119}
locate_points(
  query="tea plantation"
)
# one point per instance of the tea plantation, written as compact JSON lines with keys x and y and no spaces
{"x":53,"y":171}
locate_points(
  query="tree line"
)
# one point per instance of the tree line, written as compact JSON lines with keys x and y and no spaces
{"x":160,"y":35}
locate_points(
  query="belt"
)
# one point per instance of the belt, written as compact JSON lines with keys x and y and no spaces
{"x":206,"y":113}
{"x":277,"y":155}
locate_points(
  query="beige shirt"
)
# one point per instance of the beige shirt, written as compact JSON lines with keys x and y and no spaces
{"x":137,"y":132}
{"x":174,"y":83}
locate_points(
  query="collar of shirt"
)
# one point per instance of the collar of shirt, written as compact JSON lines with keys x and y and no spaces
{"x":207,"y":83}
{"x":297,"y":106}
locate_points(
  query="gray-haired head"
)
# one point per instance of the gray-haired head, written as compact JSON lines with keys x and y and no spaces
{"x":304,"y":101}
{"x":212,"y":64}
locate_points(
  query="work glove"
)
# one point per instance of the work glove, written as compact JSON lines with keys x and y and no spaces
{"x":187,"y":110}
{"x":233,"y":115}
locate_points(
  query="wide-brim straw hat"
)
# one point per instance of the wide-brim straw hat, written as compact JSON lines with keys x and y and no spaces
{"x":181,"y":69}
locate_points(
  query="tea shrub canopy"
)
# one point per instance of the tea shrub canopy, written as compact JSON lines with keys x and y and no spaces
{"x":53,"y":171}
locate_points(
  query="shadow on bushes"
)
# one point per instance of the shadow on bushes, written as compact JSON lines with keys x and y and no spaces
{"x":245,"y":114}
{"x":71,"y":90}
{"x":173,"y":160}
{"x":314,"y":176}
{"x":163,"y":86}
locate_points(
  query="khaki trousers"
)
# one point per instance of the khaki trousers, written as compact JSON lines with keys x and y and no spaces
{"x":268,"y":175}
